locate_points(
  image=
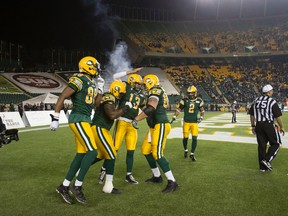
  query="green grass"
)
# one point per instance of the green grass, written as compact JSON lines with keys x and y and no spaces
{"x":225,"y":180}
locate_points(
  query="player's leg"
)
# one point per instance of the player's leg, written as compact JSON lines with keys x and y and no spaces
{"x":194,"y":132}
{"x":185,"y":138}
{"x":84,"y":134}
{"x":160,"y":134}
{"x":147,"y":152}
{"x":131,"y":140}
{"x":106,"y":147}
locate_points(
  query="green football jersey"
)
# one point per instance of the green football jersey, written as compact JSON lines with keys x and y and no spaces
{"x":100,"y":118}
{"x":83,"y":98}
{"x":191,"y":108}
{"x":160,"y":114}
{"x":138,"y":100}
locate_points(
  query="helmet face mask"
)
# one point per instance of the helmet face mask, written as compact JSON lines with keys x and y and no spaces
{"x":90,"y":66}
{"x":192,"y":92}
{"x":117,"y":89}
{"x":150,"y":81}
{"x":135,"y":81}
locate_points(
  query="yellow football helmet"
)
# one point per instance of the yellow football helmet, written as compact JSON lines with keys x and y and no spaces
{"x":90,"y":66}
{"x":192,"y":92}
{"x":117,"y":88}
{"x":150,"y":81}
{"x":135,"y":79}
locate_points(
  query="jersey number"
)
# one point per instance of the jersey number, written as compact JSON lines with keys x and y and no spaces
{"x":262,"y":104}
{"x":90,"y":95}
{"x":191,"y":108}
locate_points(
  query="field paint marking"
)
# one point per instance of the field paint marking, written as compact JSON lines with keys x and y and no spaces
{"x":220,"y":136}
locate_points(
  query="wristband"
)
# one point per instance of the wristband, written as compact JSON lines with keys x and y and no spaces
{"x":253,"y":126}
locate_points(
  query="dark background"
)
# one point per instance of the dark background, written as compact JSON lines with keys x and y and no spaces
{"x":85,"y":24}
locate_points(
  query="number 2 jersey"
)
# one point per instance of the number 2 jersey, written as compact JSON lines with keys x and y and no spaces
{"x":82,"y":98}
{"x":191,"y":108}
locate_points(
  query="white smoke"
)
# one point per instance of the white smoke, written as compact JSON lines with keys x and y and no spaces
{"x":118,"y":59}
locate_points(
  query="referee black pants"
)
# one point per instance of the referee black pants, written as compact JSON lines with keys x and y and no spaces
{"x":267,"y":132}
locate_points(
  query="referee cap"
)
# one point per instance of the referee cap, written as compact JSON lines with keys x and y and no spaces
{"x":267,"y":88}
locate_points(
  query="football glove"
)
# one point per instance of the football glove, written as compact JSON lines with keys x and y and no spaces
{"x":129,"y":104}
{"x":100,"y":84}
{"x":200,"y":119}
{"x":173,"y":119}
{"x":135,"y":124}
{"x":54,"y":121}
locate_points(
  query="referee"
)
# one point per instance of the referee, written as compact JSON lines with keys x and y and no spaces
{"x":263,"y":111}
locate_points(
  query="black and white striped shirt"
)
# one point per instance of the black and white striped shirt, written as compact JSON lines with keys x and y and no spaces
{"x":265,"y":109}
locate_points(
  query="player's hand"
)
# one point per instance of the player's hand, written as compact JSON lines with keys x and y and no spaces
{"x":100,"y":84}
{"x":135,"y":124}
{"x":173,"y":119}
{"x":129,"y":104}
{"x":200,"y":119}
{"x":54,"y":121}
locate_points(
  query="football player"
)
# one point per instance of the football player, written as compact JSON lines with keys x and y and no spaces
{"x":101,"y":124}
{"x":154,"y":144}
{"x":191,"y":106}
{"x":123,"y":127}
{"x":84,"y":95}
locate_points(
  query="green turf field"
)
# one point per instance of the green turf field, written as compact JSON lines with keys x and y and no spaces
{"x":225,"y":180}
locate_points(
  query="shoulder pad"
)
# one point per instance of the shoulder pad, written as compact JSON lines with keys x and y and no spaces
{"x":76,"y":81}
{"x":156,"y":91}
{"x":108,"y":97}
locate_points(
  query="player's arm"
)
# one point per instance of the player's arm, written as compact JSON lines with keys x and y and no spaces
{"x":114,"y":113}
{"x":202,"y":111}
{"x":149,"y":109}
{"x":177,"y":112}
{"x":124,"y":73}
{"x":67,"y":92}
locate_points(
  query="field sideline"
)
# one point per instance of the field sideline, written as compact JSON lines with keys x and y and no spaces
{"x":225,"y":180}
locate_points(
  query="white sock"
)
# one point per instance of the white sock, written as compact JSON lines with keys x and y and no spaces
{"x":66,"y":183}
{"x":170,"y":176}
{"x":78,"y":183}
{"x":108,"y":187}
{"x":156,"y":172}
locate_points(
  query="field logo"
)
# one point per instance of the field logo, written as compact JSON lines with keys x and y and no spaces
{"x":37,"y":81}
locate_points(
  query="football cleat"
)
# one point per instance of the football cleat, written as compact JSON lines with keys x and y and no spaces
{"x":192,"y":156}
{"x":77,"y":192}
{"x":131,"y":179}
{"x":185,"y":154}
{"x":101,"y":176}
{"x":64,"y":192}
{"x":155,"y":179}
{"x":266,"y":164}
{"x":171,"y":186}
{"x":114,"y":191}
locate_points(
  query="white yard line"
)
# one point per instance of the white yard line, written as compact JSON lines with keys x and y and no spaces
{"x":220,"y":136}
